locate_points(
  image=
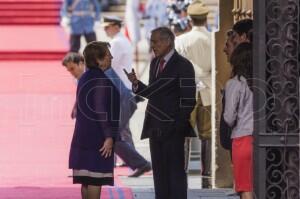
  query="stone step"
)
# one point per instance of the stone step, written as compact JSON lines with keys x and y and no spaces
{"x":142,"y":188}
{"x":192,"y":194}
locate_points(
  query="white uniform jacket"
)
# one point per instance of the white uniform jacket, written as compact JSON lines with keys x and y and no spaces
{"x":196,"y":47}
{"x":122,"y":52}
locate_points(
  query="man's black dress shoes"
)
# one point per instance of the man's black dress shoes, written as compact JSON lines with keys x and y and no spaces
{"x":140,"y":171}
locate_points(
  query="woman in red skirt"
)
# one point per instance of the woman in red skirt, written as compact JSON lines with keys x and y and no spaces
{"x":238,"y":114}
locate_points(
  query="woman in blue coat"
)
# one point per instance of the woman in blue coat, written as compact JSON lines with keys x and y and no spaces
{"x":96,"y":128}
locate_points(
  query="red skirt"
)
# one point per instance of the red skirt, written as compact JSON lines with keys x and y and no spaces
{"x":242,"y":159}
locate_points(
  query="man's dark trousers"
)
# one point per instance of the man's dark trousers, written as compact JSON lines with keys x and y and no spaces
{"x":75,"y":40}
{"x":129,"y":155}
{"x":170,"y":180}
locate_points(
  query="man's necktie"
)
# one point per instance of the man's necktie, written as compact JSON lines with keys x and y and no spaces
{"x":161,"y":66}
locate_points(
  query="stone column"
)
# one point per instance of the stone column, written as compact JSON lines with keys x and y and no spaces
{"x":223,"y":169}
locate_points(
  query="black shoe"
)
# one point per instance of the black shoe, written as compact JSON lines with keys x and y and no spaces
{"x":140,"y":171}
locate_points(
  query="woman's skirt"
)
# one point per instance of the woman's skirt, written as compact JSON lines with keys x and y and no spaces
{"x":90,"y":168}
{"x":86,"y":177}
{"x":242,"y":159}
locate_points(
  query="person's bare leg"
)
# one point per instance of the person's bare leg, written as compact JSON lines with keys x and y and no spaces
{"x":94,"y":192}
{"x":84,"y":191}
{"x":246,"y":195}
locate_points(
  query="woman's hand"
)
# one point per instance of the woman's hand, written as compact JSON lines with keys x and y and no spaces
{"x":106,"y":149}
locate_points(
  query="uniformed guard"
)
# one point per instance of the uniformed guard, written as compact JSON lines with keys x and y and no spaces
{"x":82,"y":15}
{"x":121,"y":48}
{"x":195,"y":45}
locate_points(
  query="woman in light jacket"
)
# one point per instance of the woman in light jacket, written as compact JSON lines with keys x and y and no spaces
{"x":238,"y":114}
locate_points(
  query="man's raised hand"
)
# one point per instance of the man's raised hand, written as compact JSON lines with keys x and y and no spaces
{"x":131,"y":76}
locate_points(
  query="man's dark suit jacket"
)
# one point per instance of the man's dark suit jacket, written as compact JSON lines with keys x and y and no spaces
{"x":171,"y":97}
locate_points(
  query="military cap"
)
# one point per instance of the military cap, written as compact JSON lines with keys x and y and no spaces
{"x":197,"y":9}
{"x":111,"y":20}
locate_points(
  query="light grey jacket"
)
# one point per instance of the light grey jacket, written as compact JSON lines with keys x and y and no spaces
{"x":239,"y":107}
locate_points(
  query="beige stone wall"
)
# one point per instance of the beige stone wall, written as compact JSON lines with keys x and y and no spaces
{"x":223,"y":162}
{"x":230,"y":11}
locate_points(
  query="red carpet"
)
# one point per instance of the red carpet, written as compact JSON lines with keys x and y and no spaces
{"x":61,"y":193}
{"x":35,"y":133}
{"x":30,"y":31}
{"x":36,"y":98}
{"x":30,"y":12}
{"x":33,"y":43}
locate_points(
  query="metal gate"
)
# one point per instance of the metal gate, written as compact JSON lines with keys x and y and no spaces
{"x":276,"y":101}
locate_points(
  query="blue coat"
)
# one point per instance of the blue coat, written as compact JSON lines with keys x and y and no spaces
{"x":82,"y":24}
{"x":127,"y":98}
{"x":98,"y":108}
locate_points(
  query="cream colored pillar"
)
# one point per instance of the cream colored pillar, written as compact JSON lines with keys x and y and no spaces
{"x":223,"y":170}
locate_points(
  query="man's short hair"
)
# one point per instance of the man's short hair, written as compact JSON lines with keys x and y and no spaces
{"x":93,"y":51}
{"x":243,"y":26}
{"x":165,"y":33}
{"x":72,"y":57}
{"x":229,"y":33}
{"x":199,"y":21}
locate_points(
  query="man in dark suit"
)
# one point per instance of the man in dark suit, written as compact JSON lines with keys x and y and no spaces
{"x":171,"y":94}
